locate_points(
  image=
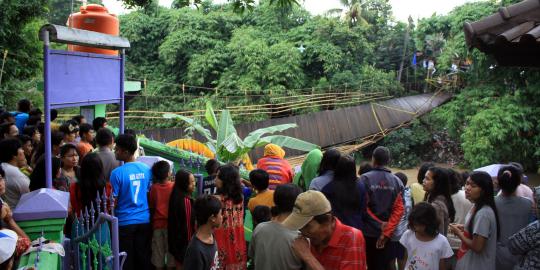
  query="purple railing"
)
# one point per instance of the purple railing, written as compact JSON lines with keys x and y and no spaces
{"x":95,"y":238}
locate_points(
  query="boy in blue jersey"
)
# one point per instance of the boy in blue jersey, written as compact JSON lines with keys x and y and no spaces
{"x":131,"y":183}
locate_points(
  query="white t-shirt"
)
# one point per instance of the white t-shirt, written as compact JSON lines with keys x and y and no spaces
{"x":425,"y":255}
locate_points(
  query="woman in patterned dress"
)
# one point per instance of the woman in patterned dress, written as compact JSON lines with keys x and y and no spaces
{"x":230,"y":236}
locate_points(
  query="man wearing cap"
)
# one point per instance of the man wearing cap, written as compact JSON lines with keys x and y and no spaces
{"x":8,"y":243}
{"x":384,"y":210}
{"x":331,"y":245}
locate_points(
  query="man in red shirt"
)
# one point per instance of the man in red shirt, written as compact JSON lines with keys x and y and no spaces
{"x":334,"y":246}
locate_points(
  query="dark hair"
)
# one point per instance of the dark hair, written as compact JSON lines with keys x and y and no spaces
{"x":84,"y":128}
{"x":425,"y":214}
{"x":211,"y":166}
{"x":37,"y":178}
{"x":456,"y":182}
{"x":2,"y":173}
{"x":422,"y":171}
{"x":78,"y":118}
{"x":365,"y":167}
{"x":5,"y":116}
{"x":130,"y":132}
{"x":261,"y":214}
{"x":4,"y":265}
{"x":484,"y":181}
{"x":65,"y":127}
{"x":181,"y":182}
{"x":91,"y":183}
{"x":231,"y":188}
{"x":10,"y":148}
{"x":509,"y":178}
{"x":41,"y":128}
{"x":464,"y":177}
{"x":104,"y":137}
{"x":205,"y":207}
{"x":441,"y":187}
{"x":259,"y":178}
{"x":33,"y":120}
{"x":403,"y":177}
{"x":24,"y":105}
{"x":344,"y":191}
{"x":24,"y":138}
{"x":54,"y":114}
{"x":518,"y":166}
{"x":381,"y":156}
{"x":35,"y":111}
{"x":127,"y":142}
{"x":29,"y":130}
{"x":98,"y":123}
{"x":284,"y":198}
{"x":65,"y":149}
{"x":329,"y":160}
{"x":4,"y":129}
{"x":160,"y":171}
{"x":56,"y":139}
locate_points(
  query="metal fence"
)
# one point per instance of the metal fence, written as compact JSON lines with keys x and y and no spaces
{"x":95,"y":238}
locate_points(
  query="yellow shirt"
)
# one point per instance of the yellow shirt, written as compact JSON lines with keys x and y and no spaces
{"x":418,"y":193}
{"x":264,"y":198}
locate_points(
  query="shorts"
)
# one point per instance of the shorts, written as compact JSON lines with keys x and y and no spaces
{"x":160,"y":249}
{"x":396,"y":250}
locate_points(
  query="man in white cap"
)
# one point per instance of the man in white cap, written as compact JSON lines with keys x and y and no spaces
{"x":331,"y":244}
{"x":8,"y":242}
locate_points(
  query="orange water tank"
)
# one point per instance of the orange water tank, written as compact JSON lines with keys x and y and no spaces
{"x":96,"y":18}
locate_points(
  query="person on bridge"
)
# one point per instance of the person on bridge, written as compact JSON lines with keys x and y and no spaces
{"x":278,"y":168}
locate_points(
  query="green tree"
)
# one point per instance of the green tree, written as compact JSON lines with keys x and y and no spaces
{"x":59,"y":10}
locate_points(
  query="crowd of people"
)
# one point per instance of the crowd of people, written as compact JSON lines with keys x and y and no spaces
{"x":327,"y":215}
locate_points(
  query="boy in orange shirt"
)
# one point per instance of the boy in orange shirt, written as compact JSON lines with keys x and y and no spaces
{"x":260,"y":179}
{"x":87,"y":134}
{"x":159,"y":211}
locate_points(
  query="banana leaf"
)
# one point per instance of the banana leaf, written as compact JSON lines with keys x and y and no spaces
{"x":253,"y":137}
{"x":199,"y":128}
{"x":210,"y":116}
{"x":233,"y":144}
{"x":288,"y":142}
{"x":225,"y":128}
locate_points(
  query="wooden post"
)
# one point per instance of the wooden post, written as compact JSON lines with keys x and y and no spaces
{"x":184,"y":92}
{"x":2,"y":69}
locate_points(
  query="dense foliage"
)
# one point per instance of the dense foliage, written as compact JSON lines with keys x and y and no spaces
{"x":246,"y":58}
{"x":493,"y":120}
{"x":243,"y":53}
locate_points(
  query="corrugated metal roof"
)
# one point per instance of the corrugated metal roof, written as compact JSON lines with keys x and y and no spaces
{"x":512,"y":35}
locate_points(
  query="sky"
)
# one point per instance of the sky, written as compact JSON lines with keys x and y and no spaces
{"x":400,"y":8}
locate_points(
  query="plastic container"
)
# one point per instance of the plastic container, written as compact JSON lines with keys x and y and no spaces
{"x":95,"y":18}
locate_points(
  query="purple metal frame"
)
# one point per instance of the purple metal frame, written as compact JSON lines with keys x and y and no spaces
{"x":70,"y":80}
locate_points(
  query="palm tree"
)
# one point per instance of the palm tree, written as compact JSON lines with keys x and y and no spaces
{"x":354,"y":11}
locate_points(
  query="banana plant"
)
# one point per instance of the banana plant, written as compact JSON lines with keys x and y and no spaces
{"x":228,"y":146}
